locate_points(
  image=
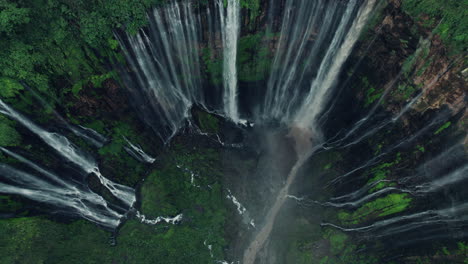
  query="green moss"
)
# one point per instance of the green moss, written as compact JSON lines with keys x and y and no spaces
{"x":37,"y":240}
{"x":371,"y":93}
{"x":408,"y":64}
{"x":381,"y":172}
{"x":97,"y":125}
{"x":388,"y":205}
{"x":378,"y":149}
{"x":118,"y":163}
{"x":7,"y":204}
{"x":421,"y":148}
{"x":297,"y":253}
{"x":324,"y":260}
{"x":442,"y":128}
{"x":167,"y":191}
{"x":405,"y":91}
{"x":337,"y":240}
{"x":208,"y":123}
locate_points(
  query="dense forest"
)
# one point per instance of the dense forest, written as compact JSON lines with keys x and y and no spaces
{"x":64,"y":64}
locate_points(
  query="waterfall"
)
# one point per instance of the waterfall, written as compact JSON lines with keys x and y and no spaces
{"x":304,"y":32}
{"x":164,"y":75}
{"x":61,"y":192}
{"x":315,"y":39}
{"x":138,"y":153}
{"x":230,"y":29}
{"x":89,"y":135}
{"x":71,"y":153}
{"x":304,"y":119}
{"x":164,"y":60}
{"x":331,"y":65}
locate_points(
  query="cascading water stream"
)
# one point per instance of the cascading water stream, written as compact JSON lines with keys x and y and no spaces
{"x":230,"y":29}
{"x":166,"y":78}
{"x":61,"y":192}
{"x":136,"y":152}
{"x":315,"y":40}
{"x":331,"y":65}
{"x":305,"y":30}
{"x":303,"y":128}
{"x":71,"y":153}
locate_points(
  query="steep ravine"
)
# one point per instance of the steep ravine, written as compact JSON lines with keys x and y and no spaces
{"x":383,"y":181}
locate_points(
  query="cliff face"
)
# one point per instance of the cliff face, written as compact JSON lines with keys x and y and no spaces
{"x":398,"y":57}
{"x":401,"y":54}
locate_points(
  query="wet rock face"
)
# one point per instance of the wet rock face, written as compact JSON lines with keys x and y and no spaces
{"x":388,"y":51}
{"x":109,"y":99}
{"x":405,"y":53}
{"x":443,"y":80}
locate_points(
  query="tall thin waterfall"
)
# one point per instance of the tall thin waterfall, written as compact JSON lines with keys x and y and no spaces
{"x":71,"y":153}
{"x":230,"y":29}
{"x":165,"y":61}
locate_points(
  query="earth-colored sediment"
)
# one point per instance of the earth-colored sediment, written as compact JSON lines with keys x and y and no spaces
{"x":303,"y":145}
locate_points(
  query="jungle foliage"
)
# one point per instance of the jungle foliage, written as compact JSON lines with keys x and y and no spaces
{"x":448,"y":18}
{"x":52,"y":45}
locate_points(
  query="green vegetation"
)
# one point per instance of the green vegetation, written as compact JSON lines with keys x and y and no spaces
{"x":337,"y":240}
{"x":97,"y":125}
{"x":328,"y":166}
{"x":8,"y":135}
{"x":254,"y":7}
{"x":58,"y":46}
{"x":381,"y":172}
{"x":300,"y":253}
{"x":448,"y":18}
{"x":328,"y":245}
{"x":95,"y":80}
{"x":182,"y":186}
{"x":213,"y":66}
{"x":298,"y":241}
{"x":38,"y":240}
{"x":408,"y":64}
{"x":208,"y":123}
{"x":405,"y":91}
{"x":9,"y":88}
{"x":442,"y":128}
{"x":451,"y":253}
{"x":7,"y":204}
{"x":388,"y":205}
{"x":120,"y":164}
{"x":424,"y":67}
{"x":166,"y":192}
{"x":253,"y":58}
{"x":421,"y":148}
{"x":371,"y":92}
